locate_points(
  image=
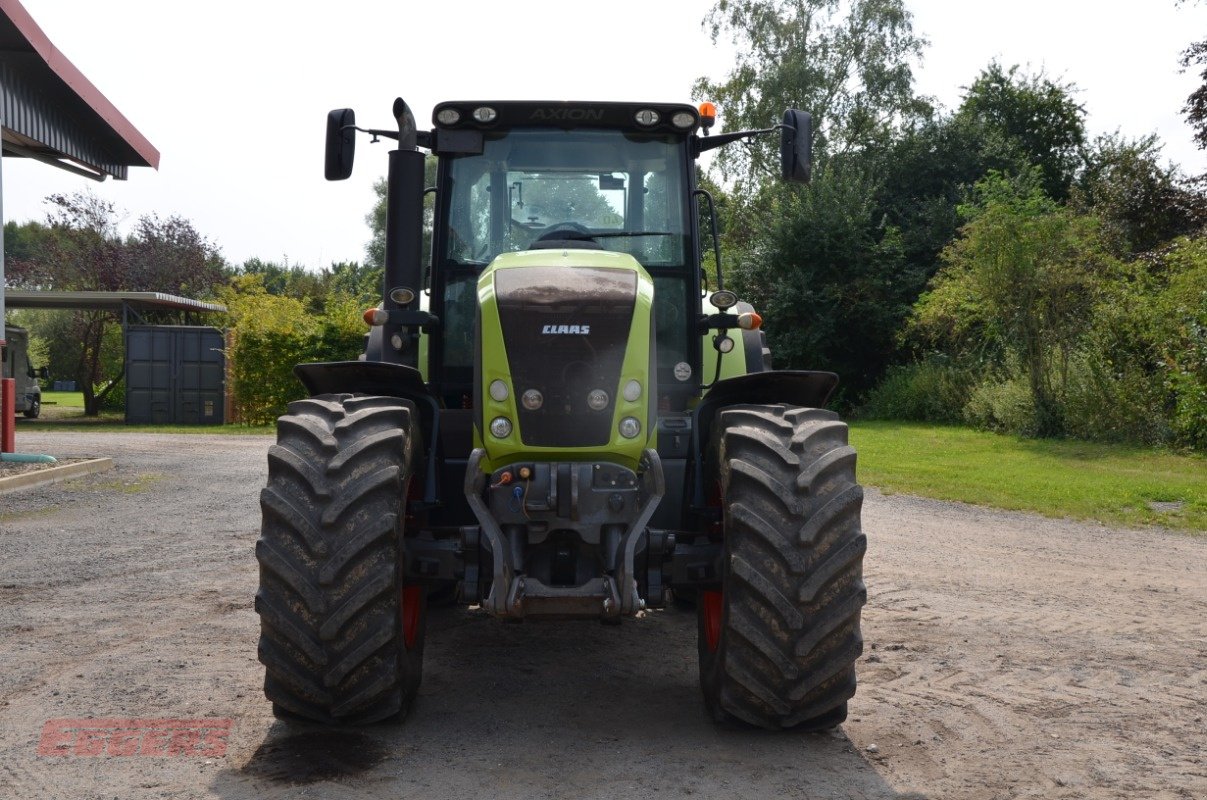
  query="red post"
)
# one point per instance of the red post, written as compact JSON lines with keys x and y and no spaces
{"x":8,"y":415}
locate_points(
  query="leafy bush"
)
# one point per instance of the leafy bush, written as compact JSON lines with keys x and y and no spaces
{"x":932,"y":390}
{"x":1005,"y":405}
{"x":1104,"y":401}
{"x":271,"y":334}
{"x":1179,"y":313}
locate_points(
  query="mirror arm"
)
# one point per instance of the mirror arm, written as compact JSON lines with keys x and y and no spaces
{"x":706,"y":143}
{"x":422,"y":138}
{"x":375,"y":133}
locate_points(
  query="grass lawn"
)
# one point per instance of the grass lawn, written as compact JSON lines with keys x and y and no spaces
{"x":1110,"y":483}
{"x":64,"y":411}
{"x":61,"y":400}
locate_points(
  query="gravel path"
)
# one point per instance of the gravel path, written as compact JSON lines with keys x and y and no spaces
{"x":1007,"y":656}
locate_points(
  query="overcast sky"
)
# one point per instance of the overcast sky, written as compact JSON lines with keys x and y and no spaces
{"x":235,"y":94}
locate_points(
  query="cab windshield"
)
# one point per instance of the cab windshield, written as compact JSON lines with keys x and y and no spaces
{"x":615,"y":190}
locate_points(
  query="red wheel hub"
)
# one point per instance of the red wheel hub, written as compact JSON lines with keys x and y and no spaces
{"x":711,"y":607}
{"x":412,"y":607}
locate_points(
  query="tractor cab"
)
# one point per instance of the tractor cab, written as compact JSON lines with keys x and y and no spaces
{"x":616,"y":178}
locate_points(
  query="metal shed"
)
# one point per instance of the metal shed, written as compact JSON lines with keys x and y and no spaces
{"x":175,"y":374}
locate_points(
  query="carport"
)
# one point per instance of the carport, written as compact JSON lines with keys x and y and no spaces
{"x":174,"y":373}
{"x":51,"y":113}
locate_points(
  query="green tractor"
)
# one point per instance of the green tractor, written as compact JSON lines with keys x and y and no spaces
{"x":555,"y":419}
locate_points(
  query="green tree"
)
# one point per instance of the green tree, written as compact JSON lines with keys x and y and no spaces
{"x":849,"y":64}
{"x":1035,"y":114}
{"x":23,"y":240}
{"x":1195,"y":109}
{"x":1179,"y":321}
{"x":1142,"y":203}
{"x":353,"y":279}
{"x":290,"y":280}
{"x":924,"y":176}
{"x":828,"y":280}
{"x":375,"y":250}
{"x":1025,"y":275}
{"x":818,"y":261}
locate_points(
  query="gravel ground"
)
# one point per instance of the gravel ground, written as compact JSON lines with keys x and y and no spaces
{"x":1007,"y":656}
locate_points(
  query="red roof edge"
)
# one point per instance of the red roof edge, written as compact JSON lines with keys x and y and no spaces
{"x":76,"y":81}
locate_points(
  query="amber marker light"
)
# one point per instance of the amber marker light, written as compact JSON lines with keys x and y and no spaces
{"x":750,"y":321}
{"x":376,"y":316}
{"x":708,"y":114}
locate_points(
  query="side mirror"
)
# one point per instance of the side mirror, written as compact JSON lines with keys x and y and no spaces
{"x":796,"y":146}
{"x":44,"y":373}
{"x":341,"y":144}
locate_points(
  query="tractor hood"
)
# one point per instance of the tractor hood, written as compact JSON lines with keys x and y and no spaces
{"x":572,"y":328}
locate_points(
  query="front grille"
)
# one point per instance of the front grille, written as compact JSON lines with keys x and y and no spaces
{"x":565,"y":330}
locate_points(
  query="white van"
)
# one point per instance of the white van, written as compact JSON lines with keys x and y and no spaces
{"x":18,"y":366}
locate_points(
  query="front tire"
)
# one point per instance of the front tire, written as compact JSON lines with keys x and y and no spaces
{"x":341,"y":633}
{"x":35,"y":408}
{"x":779,"y":641}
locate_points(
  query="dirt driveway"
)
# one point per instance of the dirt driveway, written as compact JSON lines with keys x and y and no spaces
{"x":1007,"y":656}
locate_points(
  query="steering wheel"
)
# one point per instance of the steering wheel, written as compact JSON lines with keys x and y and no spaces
{"x":566,"y":230}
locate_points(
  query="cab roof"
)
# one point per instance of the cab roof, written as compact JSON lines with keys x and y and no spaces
{"x":503,"y":114}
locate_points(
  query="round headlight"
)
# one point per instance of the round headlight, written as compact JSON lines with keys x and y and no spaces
{"x":723,"y":299}
{"x":498,"y":391}
{"x":724,"y":344}
{"x":448,"y":116}
{"x":485,"y":114}
{"x":500,"y":427}
{"x":597,"y":400}
{"x":402,"y":295}
{"x":632,"y":391}
{"x":630,"y":427}
{"x":532,"y":399}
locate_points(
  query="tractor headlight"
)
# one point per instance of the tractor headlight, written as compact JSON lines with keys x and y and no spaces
{"x":630,"y":427}
{"x":498,"y":391}
{"x":597,"y":399}
{"x":632,"y":391}
{"x":500,"y":427}
{"x":647,"y":117}
{"x":682,"y":119}
{"x":532,"y":399}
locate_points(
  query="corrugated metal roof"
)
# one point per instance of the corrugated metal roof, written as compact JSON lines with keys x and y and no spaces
{"x":51,"y":111}
{"x":106,"y":301}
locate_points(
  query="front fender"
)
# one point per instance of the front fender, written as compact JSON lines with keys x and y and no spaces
{"x":387,"y":380}
{"x":804,"y":388}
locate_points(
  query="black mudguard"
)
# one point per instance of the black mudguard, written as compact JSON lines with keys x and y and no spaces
{"x":387,"y":380}
{"x":805,"y":388}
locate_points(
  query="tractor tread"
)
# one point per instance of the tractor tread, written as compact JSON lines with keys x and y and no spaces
{"x":330,"y":553}
{"x":793,"y":586}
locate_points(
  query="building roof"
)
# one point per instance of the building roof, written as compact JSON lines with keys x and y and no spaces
{"x":51,"y":112}
{"x":106,"y":301}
